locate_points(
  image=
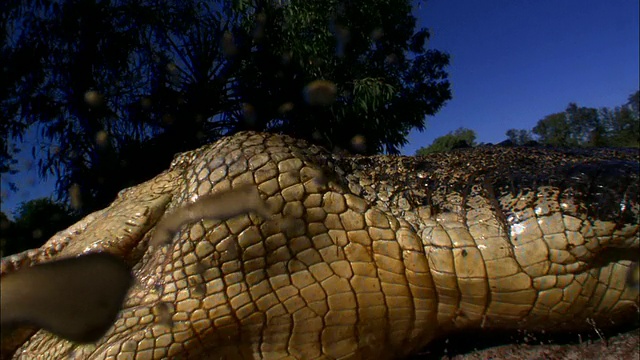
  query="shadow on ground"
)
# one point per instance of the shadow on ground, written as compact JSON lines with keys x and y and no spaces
{"x":618,"y":343}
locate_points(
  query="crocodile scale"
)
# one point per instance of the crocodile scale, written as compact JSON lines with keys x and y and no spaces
{"x":364,"y":257}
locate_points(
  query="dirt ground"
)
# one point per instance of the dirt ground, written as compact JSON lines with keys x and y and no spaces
{"x":618,"y":344}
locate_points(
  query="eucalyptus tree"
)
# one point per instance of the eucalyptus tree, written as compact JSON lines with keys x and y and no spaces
{"x":115,"y":88}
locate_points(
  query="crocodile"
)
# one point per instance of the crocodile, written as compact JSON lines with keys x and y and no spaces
{"x":362,"y":256}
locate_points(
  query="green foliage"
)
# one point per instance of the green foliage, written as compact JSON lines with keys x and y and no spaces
{"x":633,"y":102}
{"x":460,"y":138}
{"x":554,"y":130}
{"x":623,"y":123}
{"x":118,"y":87}
{"x":386,"y":79}
{"x":623,"y":126}
{"x":36,"y":221}
{"x":586,"y":126}
{"x":576,"y":126}
{"x":519,"y":137}
{"x":6,"y":233}
{"x":589,"y":127}
{"x":10,"y":128}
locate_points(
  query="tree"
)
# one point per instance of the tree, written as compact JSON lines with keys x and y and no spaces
{"x":633,"y":102}
{"x":623,"y":126}
{"x":364,"y":49}
{"x":625,"y":123}
{"x":585,"y":125}
{"x":7,"y":230}
{"x":9,"y":126}
{"x":459,"y":138}
{"x":576,"y":126}
{"x":118,"y":87}
{"x":554,"y":130}
{"x":36,"y":221}
{"x":589,"y":127}
{"x":519,"y":137}
{"x":69,"y":61}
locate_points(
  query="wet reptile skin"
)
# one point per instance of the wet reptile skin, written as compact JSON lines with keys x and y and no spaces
{"x":364,"y":257}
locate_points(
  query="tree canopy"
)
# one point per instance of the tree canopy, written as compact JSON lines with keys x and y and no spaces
{"x":590,"y":127}
{"x":575,"y":127}
{"x":36,"y":221}
{"x":519,"y":137}
{"x":117,"y":87}
{"x":460,"y":138}
{"x":586,"y":127}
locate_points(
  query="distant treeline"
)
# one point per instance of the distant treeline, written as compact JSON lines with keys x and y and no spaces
{"x":575,"y":127}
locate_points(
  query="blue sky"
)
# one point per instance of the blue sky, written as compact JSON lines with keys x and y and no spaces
{"x":515,"y":61}
{"x":512,"y":63}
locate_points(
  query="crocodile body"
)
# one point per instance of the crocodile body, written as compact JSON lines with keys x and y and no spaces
{"x":364,"y":257}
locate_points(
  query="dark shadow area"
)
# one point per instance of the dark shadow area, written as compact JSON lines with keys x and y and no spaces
{"x":466,"y":343}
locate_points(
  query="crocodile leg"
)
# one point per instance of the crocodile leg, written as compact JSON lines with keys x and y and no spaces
{"x":118,"y":229}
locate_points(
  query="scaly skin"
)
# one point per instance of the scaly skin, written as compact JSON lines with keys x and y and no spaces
{"x":365,"y":257}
